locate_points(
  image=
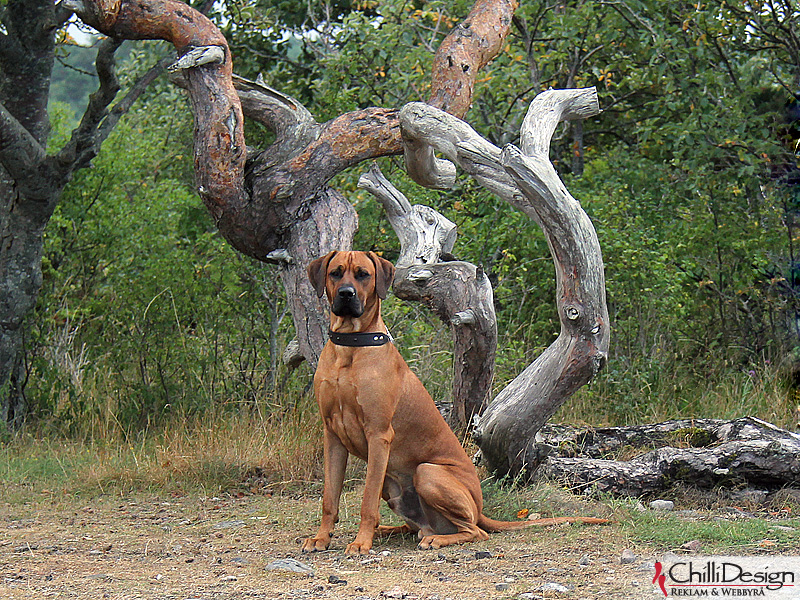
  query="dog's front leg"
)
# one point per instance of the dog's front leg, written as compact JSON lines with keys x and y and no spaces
{"x":378,"y":445}
{"x":335,"y":461}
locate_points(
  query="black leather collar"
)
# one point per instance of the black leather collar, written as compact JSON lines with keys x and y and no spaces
{"x":359,"y":339}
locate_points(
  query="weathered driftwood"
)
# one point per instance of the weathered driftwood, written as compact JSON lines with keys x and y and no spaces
{"x":703,"y":453}
{"x":282,"y":202}
{"x":527,"y":180}
{"x":425,"y":235}
{"x":458,"y":292}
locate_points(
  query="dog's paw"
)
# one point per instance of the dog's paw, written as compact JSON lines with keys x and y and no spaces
{"x":315,"y":544}
{"x":357,"y":547}
{"x":428,"y":542}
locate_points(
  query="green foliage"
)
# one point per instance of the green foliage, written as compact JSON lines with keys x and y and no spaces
{"x":146,"y":312}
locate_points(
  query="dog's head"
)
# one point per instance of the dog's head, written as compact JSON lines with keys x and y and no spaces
{"x":351,"y":280}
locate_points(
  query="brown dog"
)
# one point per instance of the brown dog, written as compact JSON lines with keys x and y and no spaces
{"x":374,"y":407}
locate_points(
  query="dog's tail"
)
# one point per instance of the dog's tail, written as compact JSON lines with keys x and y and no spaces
{"x":492,"y":525}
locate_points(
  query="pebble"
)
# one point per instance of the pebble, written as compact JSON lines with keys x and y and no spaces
{"x":584,"y":561}
{"x":693,"y":546}
{"x":552,"y":586}
{"x":482,"y":554}
{"x":662,"y":505}
{"x":501,"y":587}
{"x":627,"y":557}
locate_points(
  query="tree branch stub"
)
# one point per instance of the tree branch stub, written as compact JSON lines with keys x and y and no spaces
{"x":425,"y":235}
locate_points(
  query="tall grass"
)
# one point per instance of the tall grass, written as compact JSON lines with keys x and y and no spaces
{"x":656,"y":393}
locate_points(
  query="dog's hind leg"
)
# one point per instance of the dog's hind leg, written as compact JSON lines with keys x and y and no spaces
{"x":450,"y":508}
{"x":387,"y":530}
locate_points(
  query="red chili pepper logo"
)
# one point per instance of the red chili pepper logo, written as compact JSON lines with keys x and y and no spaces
{"x":660,"y":578}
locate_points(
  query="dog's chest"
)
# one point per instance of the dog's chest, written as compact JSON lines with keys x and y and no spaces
{"x":342,"y":413}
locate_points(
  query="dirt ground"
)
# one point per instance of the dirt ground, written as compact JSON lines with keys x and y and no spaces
{"x":196,"y":547}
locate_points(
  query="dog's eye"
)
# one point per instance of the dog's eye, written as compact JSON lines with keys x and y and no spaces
{"x":362,"y":274}
{"x":336,"y":274}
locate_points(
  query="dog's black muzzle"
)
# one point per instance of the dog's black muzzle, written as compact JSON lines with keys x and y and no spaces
{"x":346,"y":302}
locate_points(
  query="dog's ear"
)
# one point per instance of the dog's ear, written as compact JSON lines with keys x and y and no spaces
{"x":317,"y":270}
{"x":384,"y":274}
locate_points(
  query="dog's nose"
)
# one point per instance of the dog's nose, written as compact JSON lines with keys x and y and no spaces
{"x":346,"y":291}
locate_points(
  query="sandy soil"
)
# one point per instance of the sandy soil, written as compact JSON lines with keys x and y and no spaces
{"x":195,"y":547}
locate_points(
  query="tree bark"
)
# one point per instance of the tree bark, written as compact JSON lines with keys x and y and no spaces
{"x":282,"y":205}
{"x":702,"y":453}
{"x":27,"y":194}
{"x":31,"y":182}
{"x":527,"y":180}
{"x":458,"y":293}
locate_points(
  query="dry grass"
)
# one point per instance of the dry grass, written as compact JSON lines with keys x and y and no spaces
{"x":221,"y":451}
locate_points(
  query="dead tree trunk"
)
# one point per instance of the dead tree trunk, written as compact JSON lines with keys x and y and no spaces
{"x":703,"y":453}
{"x":458,"y":292}
{"x":283,"y":207}
{"x":526,"y":179}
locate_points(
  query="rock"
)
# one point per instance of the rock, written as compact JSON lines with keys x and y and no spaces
{"x":501,"y":587}
{"x":395,"y":592}
{"x":290,"y":564}
{"x":662,"y":505}
{"x":335,"y":580}
{"x":627,"y":557}
{"x":530,"y":596}
{"x":584,"y":561}
{"x":480,"y":554}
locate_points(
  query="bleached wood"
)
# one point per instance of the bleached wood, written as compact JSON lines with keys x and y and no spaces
{"x":704,"y":453}
{"x":527,"y":180}
{"x":425,"y":234}
{"x":198,"y":56}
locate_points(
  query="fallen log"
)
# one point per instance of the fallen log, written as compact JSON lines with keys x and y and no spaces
{"x":704,"y":453}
